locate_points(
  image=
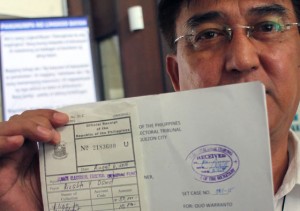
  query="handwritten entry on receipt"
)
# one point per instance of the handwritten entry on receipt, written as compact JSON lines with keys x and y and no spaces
{"x":205,"y":149}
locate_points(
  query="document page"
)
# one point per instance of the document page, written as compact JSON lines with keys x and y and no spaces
{"x":205,"y":149}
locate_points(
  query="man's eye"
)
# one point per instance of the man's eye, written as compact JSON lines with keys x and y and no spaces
{"x":208,"y":35}
{"x":268,"y":26}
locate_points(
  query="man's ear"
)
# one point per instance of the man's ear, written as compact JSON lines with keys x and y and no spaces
{"x":173,"y":72}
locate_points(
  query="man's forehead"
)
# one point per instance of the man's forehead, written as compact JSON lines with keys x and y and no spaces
{"x":242,"y":5}
{"x":235,"y":9}
{"x":217,"y":2}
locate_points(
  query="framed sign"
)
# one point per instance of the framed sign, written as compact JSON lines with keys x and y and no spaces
{"x":46,"y":63}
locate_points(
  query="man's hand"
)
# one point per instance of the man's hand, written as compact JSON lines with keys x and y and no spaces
{"x":19,"y":167}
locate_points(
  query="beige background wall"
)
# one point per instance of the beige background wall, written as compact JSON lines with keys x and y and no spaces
{"x":33,"y":8}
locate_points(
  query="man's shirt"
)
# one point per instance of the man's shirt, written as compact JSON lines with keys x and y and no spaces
{"x":290,"y":188}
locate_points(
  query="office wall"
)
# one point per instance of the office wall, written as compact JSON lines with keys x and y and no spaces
{"x":142,"y":59}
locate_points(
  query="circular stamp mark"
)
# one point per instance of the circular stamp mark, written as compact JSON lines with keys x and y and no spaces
{"x":213,"y":163}
{"x":59,"y":151}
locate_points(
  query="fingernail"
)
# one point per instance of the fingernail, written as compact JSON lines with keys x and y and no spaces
{"x":15,"y":138}
{"x":14,"y":142}
{"x":56,"y":137}
{"x":61,"y":117}
{"x":45,"y":132}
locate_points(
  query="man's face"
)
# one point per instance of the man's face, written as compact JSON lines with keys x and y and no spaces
{"x":275,"y":61}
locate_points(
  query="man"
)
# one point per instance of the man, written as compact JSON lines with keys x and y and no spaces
{"x":218,"y":42}
{"x":214,"y":42}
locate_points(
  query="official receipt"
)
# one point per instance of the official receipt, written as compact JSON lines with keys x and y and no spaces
{"x":204,"y":149}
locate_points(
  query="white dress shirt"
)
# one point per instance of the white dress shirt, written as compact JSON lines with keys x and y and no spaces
{"x":290,"y":187}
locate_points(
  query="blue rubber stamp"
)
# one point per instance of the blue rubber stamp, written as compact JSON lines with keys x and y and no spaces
{"x":213,"y":163}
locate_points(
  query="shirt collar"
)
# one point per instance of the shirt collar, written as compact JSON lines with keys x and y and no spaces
{"x":292,"y":176}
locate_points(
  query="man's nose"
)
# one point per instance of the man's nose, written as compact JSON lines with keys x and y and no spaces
{"x":242,"y":54}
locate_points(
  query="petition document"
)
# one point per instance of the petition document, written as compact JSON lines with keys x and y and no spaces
{"x":205,"y":149}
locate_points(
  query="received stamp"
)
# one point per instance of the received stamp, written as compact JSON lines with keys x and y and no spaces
{"x":213,"y":163}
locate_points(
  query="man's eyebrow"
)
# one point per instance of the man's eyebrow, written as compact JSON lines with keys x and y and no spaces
{"x":273,"y":9}
{"x":202,"y":18}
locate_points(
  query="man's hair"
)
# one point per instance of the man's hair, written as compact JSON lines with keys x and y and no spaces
{"x":169,"y":10}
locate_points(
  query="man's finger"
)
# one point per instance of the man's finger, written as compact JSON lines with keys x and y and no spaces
{"x":59,"y":119}
{"x":10,"y":144}
{"x":36,"y":125}
{"x":56,"y":118}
